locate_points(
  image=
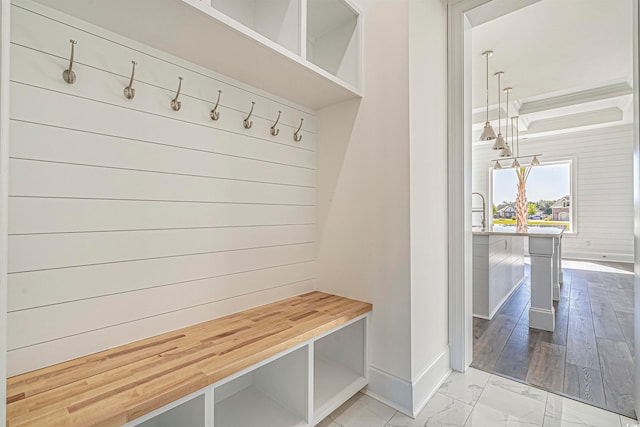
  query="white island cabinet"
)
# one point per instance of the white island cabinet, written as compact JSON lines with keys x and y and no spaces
{"x":498,"y":268}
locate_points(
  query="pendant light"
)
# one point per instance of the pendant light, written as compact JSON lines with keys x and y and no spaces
{"x":488,"y":133}
{"x":506,"y":151}
{"x":502,"y":143}
{"x":499,"y":144}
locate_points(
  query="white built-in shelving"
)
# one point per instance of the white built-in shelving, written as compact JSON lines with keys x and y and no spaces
{"x":298,"y":387}
{"x":277,"y":20}
{"x":305,"y":51}
{"x":333,"y":39}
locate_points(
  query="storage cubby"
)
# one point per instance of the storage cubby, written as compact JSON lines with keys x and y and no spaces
{"x":277,"y":20}
{"x":188,"y":414}
{"x":339,"y":367}
{"x":333,"y":39}
{"x":272,"y":395}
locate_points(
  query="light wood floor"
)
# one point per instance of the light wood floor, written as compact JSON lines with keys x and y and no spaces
{"x":589,"y":356}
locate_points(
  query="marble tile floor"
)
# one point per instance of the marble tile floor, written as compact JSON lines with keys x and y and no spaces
{"x":479,"y":399}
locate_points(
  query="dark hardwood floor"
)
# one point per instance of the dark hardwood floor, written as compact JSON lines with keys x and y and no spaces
{"x":588,"y":357}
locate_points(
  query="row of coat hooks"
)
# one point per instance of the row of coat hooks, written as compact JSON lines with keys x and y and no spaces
{"x":69,"y":76}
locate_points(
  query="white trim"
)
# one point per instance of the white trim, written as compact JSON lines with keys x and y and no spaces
{"x":572,"y":161}
{"x":4,"y":194}
{"x":495,"y":9}
{"x":539,"y":318}
{"x":387,"y":384}
{"x":459,"y":184}
{"x":636,"y":191}
{"x":430,"y":380}
{"x":409,"y":397}
{"x":590,"y":256}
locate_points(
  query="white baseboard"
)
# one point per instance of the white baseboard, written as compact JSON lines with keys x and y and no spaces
{"x":389,"y":389}
{"x":405,"y":396}
{"x":480,"y":316}
{"x":540,"y":318}
{"x":590,"y":256}
{"x":430,"y":380}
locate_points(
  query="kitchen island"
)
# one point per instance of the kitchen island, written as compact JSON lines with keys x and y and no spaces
{"x":545,"y":245}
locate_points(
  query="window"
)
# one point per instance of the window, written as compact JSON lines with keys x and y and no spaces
{"x":549,"y":195}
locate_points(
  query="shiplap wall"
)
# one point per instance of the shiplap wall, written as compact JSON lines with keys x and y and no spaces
{"x":128,"y":219}
{"x":604,"y":187}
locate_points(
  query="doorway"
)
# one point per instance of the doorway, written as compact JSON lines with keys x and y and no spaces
{"x":465,"y":15}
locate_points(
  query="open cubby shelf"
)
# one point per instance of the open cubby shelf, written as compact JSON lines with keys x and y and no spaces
{"x":188,"y":414}
{"x":333,"y":39}
{"x":277,"y":20}
{"x":305,"y":51}
{"x":298,"y":387}
{"x":272,"y":395}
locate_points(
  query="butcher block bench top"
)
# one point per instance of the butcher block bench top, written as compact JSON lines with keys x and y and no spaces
{"x":115,"y":386}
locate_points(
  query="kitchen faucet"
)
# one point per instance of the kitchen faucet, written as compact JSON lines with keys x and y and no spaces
{"x":484,"y":207}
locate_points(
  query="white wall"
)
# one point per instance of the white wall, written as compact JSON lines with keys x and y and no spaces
{"x":363,"y":190}
{"x":128,"y":219}
{"x":604,"y":187}
{"x":381,"y":185}
{"x":428,"y":197}
{"x":76,"y":232}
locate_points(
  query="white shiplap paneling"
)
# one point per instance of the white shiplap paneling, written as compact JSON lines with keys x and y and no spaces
{"x":47,"y":287}
{"x":603,"y":190}
{"x":128,"y":219}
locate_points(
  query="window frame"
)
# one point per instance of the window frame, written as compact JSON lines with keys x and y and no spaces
{"x":573,"y":191}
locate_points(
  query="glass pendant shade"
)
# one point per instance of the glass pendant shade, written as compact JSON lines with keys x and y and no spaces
{"x":488,"y":134}
{"x":497,"y":165}
{"x":535,"y":161}
{"x":515,"y":163}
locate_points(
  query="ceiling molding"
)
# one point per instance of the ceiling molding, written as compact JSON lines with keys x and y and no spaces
{"x":580,"y":97}
{"x":572,"y":121}
{"x":606,"y":105}
{"x":495,"y":9}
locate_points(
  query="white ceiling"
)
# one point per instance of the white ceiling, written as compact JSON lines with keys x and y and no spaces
{"x":563,"y":58}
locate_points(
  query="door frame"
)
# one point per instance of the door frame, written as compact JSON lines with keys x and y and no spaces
{"x":636,"y":194}
{"x":459,"y":164}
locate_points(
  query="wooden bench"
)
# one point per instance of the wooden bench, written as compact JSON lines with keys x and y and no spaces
{"x":136,"y":381}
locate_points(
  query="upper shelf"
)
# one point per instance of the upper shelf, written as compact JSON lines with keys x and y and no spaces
{"x":263,"y":44}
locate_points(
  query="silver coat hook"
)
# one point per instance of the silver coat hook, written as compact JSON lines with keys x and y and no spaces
{"x":296,"y":135}
{"x":68,"y":75}
{"x":275,"y":131}
{"x":129,"y":91}
{"x":247,"y":123}
{"x":215,"y":114}
{"x":175,"y":104}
